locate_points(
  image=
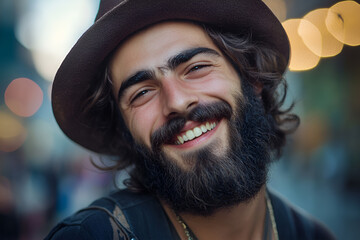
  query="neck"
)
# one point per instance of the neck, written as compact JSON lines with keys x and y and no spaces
{"x":243,"y":221}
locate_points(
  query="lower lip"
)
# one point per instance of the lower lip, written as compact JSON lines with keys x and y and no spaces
{"x":198,"y":140}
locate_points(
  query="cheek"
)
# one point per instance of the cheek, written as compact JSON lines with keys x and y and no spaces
{"x":222,"y":86}
{"x":142,"y":123}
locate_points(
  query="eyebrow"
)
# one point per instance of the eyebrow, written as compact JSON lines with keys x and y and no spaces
{"x":172,"y":63}
{"x":186,"y":55}
{"x":138,"y":77}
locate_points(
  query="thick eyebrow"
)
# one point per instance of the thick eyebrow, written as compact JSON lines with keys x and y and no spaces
{"x":186,"y":55}
{"x":138,"y":77}
{"x":172,"y":63}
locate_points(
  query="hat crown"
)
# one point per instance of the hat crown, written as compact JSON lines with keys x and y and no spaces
{"x":107,"y":5}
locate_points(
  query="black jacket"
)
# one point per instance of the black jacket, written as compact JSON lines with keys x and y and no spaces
{"x":126,"y":215}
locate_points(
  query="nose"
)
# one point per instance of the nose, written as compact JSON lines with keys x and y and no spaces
{"x":177,"y":97}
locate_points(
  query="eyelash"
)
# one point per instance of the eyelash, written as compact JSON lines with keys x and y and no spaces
{"x":139,"y":95}
{"x":198,"y":67}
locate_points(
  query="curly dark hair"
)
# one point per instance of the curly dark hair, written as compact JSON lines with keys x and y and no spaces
{"x":254,"y":61}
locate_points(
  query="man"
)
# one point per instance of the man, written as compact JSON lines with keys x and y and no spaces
{"x":185,"y":94}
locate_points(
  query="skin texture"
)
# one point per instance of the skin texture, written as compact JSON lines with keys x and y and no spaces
{"x":172,"y":91}
{"x":168,"y":91}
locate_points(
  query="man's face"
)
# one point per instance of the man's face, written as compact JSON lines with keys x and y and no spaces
{"x":166,"y":71}
{"x":202,"y":136}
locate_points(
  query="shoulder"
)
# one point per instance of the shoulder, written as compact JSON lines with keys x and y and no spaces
{"x":83,"y":225}
{"x":103,"y":219}
{"x":294,"y":223}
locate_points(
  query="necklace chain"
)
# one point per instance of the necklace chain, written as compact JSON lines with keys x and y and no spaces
{"x":191,"y":236}
{"x":186,"y":228}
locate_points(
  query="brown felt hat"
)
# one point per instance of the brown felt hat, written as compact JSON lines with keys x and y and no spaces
{"x":116,"y":20}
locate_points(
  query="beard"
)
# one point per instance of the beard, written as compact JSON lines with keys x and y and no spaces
{"x":213,"y":181}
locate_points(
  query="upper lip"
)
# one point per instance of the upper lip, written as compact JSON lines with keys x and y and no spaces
{"x":189,"y":125}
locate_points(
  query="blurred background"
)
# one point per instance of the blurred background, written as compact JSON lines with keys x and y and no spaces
{"x":45,"y":177}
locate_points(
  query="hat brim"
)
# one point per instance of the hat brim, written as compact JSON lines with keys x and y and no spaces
{"x":83,"y":63}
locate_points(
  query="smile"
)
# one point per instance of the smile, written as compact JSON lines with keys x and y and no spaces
{"x":195,"y":132}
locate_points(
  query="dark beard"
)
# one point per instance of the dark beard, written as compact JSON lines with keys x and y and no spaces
{"x":213,"y":182}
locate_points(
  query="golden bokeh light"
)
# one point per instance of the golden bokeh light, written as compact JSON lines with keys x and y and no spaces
{"x":329,"y":46}
{"x":23,"y":97}
{"x":343,"y":22}
{"x":311,"y":36}
{"x":12,"y":133}
{"x":301,"y":57}
{"x":278,"y":7}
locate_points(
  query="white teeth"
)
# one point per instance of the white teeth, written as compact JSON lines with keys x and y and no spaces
{"x":190,"y":134}
{"x":196,"y":132}
{"x":203,"y":129}
{"x":180,"y":139}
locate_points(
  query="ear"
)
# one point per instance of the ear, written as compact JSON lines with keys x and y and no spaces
{"x":258,"y":87}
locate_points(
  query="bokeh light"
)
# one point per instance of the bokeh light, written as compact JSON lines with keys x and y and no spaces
{"x":12,"y":133}
{"x":343,"y":21}
{"x":278,"y":7}
{"x":23,"y":97}
{"x":329,"y":46}
{"x":50,"y":28}
{"x":301,"y":57}
{"x":311,"y":36}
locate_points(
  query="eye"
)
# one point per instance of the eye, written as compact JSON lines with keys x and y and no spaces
{"x":198,"y":67}
{"x":138,"y":95}
{"x":198,"y":71}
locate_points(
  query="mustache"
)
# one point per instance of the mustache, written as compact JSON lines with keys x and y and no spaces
{"x":201,"y":113}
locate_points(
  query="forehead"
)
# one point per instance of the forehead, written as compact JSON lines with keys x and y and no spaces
{"x":151,"y":47}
